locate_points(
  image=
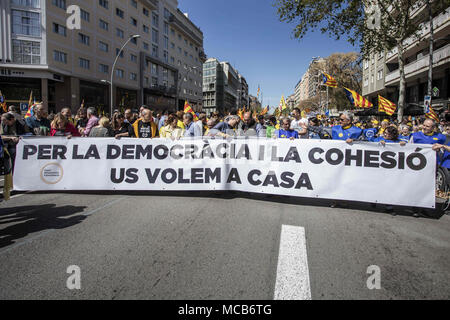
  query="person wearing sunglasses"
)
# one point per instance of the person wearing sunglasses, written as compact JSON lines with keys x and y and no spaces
{"x":346,"y":131}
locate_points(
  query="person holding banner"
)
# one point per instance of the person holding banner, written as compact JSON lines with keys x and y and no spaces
{"x":390,"y":135}
{"x":346,"y":131}
{"x":405,"y":133}
{"x":145,"y":127}
{"x":428,"y":134}
{"x":286,"y":132}
{"x":227,"y":127}
{"x":61,"y":127}
{"x":121,"y":128}
{"x":171,"y":130}
{"x":38,"y":122}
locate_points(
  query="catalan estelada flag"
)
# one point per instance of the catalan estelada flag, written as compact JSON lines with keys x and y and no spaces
{"x":3,"y":103}
{"x":431,"y":114}
{"x":329,"y":81}
{"x":384,"y":105}
{"x":188,"y":109}
{"x":357,"y":100}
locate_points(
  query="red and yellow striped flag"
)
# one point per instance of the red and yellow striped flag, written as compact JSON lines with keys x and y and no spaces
{"x":357,"y":100}
{"x":264,"y":111}
{"x":384,"y":105}
{"x":188,"y":109}
{"x":431,"y":114}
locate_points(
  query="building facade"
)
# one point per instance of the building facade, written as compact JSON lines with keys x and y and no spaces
{"x":243,"y":98}
{"x":308,"y":87}
{"x":381,"y":74}
{"x":41,"y":51}
{"x":222,"y":87}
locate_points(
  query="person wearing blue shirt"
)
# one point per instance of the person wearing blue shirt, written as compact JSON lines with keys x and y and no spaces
{"x":286,"y":132}
{"x":188,"y":120}
{"x":346,"y":131}
{"x":370,"y":133}
{"x":390,"y":135}
{"x":428,"y":135}
{"x":405,"y":133}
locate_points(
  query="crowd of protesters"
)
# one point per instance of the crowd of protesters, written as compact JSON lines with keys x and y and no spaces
{"x":144,"y":123}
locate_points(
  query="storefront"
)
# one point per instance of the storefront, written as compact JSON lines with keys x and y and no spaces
{"x":95,"y":95}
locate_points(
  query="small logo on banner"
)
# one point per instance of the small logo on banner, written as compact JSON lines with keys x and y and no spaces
{"x":52,"y":173}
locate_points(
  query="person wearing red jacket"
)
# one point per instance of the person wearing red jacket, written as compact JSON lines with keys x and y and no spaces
{"x":61,"y":127}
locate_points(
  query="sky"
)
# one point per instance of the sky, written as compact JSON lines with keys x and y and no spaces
{"x":249,"y":35}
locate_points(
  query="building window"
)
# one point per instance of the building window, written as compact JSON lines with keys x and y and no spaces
{"x":166,"y":56}
{"x":154,"y":35}
{"x":155,"y":20}
{"x":84,"y":15}
{"x":166,"y":28}
{"x":146,"y":47}
{"x":133,"y":21}
{"x":380,"y":74}
{"x":26,"y":52}
{"x":133,"y":58}
{"x":166,"y":14}
{"x":366,"y":82}
{"x":103,"y":68}
{"x":26,"y":23}
{"x":27,"y":3}
{"x":103,"y":3}
{"x":145,"y":28}
{"x":166,"y":43}
{"x":59,"y":29}
{"x":133,"y":3}
{"x":366,"y":64}
{"x":119,"y":33}
{"x":154,"y":69}
{"x":145,"y":12}
{"x":59,"y":3}
{"x":84,"y":39}
{"x":154,"y":81}
{"x":133,"y":76}
{"x":60,"y":56}
{"x":85,"y":64}
{"x":155,"y":51}
{"x":103,"y":24}
{"x":117,"y":52}
{"x":103,"y":46}
{"x":119,"y":13}
{"x":119,"y":73}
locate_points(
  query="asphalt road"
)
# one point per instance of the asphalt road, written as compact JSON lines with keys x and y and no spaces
{"x":212,"y":246}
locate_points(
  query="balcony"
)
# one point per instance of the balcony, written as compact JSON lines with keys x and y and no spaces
{"x":419,"y":65}
{"x":163,"y":90}
{"x":439,"y":21}
{"x":152,"y":4}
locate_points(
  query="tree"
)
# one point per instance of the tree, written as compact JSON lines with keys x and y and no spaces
{"x":346,"y":69}
{"x":376,"y":26}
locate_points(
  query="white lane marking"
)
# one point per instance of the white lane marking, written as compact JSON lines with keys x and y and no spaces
{"x":292,"y":272}
{"x":40,"y":235}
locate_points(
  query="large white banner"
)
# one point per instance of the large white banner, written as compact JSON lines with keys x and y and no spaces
{"x":366,"y":172}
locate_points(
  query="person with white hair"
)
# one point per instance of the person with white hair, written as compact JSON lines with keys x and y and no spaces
{"x":346,"y":131}
{"x":92,"y":122}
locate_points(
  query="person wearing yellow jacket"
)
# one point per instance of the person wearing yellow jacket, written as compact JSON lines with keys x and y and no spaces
{"x":145,"y":127}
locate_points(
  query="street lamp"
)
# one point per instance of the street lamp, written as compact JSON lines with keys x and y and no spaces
{"x":179,"y":89}
{"x":114,"y":66}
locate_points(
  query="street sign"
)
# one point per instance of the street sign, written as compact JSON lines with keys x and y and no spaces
{"x":427,"y":104}
{"x":436,"y":92}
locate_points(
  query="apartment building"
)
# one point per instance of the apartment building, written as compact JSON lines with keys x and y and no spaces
{"x":63,"y":67}
{"x":308,"y":87}
{"x":243,"y":98}
{"x":381,"y":74}
{"x":221,"y":87}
